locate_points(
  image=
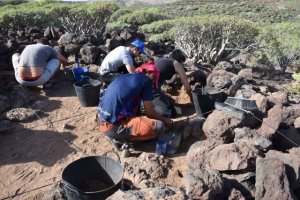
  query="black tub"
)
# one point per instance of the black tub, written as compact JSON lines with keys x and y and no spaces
{"x":204,"y":99}
{"x":92,"y":178}
{"x":88,"y":91}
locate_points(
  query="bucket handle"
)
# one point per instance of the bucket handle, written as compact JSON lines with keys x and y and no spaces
{"x":84,"y":77}
{"x":86,"y":85}
{"x":112,"y":151}
{"x":67,"y":185}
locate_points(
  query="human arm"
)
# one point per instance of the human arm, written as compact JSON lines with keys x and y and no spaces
{"x":62,"y":59}
{"x":130,"y":68}
{"x":180,"y":71}
{"x":151,"y":113}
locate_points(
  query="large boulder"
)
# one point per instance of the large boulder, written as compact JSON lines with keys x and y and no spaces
{"x":218,"y":126}
{"x":204,"y":183}
{"x":271,"y":180}
{"x":196,"y":156}
{"x":245,"y":134}
{"x":290,"y":113}
{"x":220,"y":79}
{"x":271,"y":122}
{"x":89,"y":53}
{"x":232,"y":157}
{"x":292,"y":162}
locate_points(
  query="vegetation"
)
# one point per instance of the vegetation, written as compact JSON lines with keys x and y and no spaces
{"x":280,"y":42}
{"x":11,"y":2}
{"x":212,"y":39}
{"x":251,"y":10}
{"x":90,"y":19}
{"x":209,"y":31}
{"x":141,"y":16}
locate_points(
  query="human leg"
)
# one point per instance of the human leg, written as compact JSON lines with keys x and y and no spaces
{"x":15,"y":62}
{"x":144,"y":128}
{"x":50,"y":68}
{"x":163,"y":105}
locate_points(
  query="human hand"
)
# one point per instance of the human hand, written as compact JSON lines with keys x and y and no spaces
{"x":168,"y":122}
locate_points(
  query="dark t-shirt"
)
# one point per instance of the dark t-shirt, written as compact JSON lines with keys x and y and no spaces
{"x":123,"y":96}
{"x":166,"y":69}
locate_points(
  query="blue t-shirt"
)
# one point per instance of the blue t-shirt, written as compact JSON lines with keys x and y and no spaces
{"x":123,"y":96}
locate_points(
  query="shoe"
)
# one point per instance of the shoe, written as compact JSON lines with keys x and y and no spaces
{"x":116,"y":143}
{"x":51,"y":86}
{"x":47,"y":86}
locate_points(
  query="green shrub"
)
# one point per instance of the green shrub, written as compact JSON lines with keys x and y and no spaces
{"x":89,"y":18}
{"x":115,"y":16}
{"x":82,"y":18}
{"x":211,"y":39}
{"x":12,"y":2}
{"x":111,"y":26}
{"x":167,"y":35}
{"x":158,"y":26}
{"x":281,"y":43}
{"x":143,"y":16}
{"x":25,"y":15}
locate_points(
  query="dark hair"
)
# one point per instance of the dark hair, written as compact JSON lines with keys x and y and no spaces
{"x":178,"y":55}
{"x":43,"y":41}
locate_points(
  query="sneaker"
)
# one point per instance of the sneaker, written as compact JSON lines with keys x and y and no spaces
{"x":116,"y":143}
{"x":47,"y":85}
{"x":51,"y":86}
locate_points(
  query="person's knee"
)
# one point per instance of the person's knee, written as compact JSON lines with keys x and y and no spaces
{"x":160,"y":127}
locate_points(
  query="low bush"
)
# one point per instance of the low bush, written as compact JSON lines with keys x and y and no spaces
{"x":89,"y":18}
{"x":280,"y":42}
{"x":116,"y":15}
{"x":143,"y":16}
{"x":212,"y":39}
{"x":12,"y":2}
{"x":25,"y":15}
{"x":158,"y":27}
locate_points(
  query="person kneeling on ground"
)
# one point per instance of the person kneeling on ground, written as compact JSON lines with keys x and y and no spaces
{"x":118,"y":110}
{"x":168,"y":67}
{"x":37,"y":63}
{"x":120,"y":61}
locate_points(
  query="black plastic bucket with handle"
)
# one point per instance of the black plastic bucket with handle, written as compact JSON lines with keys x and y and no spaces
{"x":88,"y":91}
{"x":92,"y":178}
{"x":204,"y":99}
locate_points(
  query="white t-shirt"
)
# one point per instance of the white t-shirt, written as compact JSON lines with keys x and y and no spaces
{"x":116,"y":58}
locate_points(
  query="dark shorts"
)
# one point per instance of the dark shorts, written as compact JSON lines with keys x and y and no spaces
{"x":163,"y":105}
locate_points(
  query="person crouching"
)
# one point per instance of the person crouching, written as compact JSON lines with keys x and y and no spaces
{"x":118,"y":110}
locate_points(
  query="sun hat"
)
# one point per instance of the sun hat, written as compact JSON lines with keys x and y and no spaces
{"x":152,"y":68}
{"x":140,"y":45}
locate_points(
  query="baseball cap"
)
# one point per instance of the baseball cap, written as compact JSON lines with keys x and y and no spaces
{"x":140,"y":45}
{"x":152,"y":68}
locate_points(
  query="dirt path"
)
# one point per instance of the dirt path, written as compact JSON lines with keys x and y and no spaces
{"x":34,"y":154}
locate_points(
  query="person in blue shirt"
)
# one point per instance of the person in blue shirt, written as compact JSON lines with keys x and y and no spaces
{"x":118,"y":110}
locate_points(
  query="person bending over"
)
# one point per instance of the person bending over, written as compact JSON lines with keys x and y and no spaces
{"x":167,"y":68}
{"x":120,"y":61}
{"x":118,"y":110}
{"x":37,"y":63}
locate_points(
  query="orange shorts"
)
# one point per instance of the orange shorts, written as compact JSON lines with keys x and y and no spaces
{"x":141,"y":128}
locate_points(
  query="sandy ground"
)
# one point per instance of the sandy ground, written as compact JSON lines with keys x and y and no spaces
{"x":34,"y":154}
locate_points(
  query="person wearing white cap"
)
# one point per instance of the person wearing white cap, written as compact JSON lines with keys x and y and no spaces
{"x":120,"y":61}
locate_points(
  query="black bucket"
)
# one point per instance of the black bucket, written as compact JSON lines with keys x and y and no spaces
{"x":92,"y":178}
{"x":88,"y":91}
{"x":204,"y":99}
